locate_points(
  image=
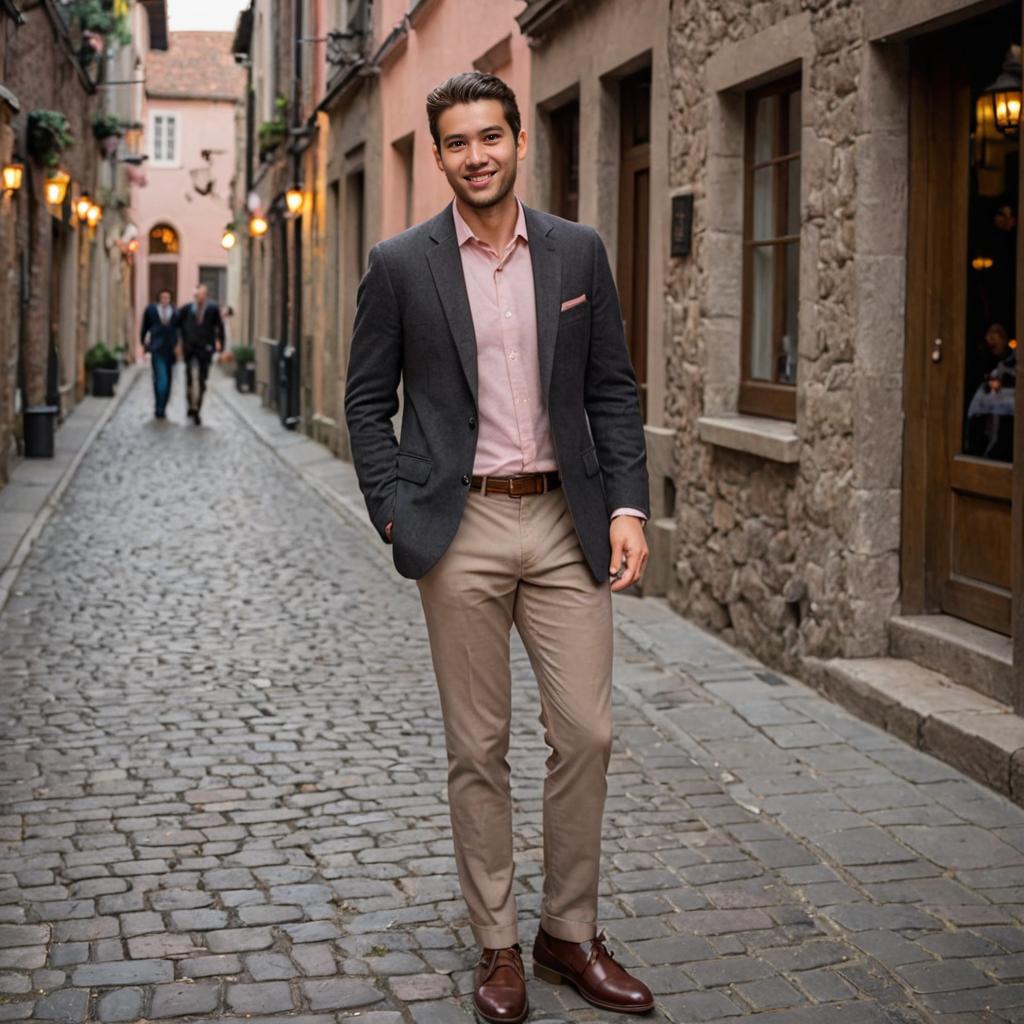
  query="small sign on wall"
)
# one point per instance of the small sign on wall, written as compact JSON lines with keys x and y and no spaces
{"x":682,"y":223}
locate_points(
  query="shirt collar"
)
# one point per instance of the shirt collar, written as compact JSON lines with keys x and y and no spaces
{"x":463,"y":232}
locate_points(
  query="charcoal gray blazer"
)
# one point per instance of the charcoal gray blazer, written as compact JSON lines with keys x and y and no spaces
{"x":413,"y":325}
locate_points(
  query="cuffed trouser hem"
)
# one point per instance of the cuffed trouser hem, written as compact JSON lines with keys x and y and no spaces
{"x":495,"y":936}
{"x":568,"y":931}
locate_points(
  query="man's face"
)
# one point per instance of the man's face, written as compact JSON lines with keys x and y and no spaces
{"x":478,"y":153}
{"x":165,"y":298}
{"x":201,"y":293}
{"x":995,"y":338}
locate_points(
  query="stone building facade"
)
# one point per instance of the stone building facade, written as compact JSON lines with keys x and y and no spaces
{"x":64,"y":284}
{"x":814,"y":534}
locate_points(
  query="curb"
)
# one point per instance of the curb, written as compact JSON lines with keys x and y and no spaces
{"x":10,"y":571}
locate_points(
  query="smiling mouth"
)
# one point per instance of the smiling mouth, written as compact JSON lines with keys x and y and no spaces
{"x":480,"y":179}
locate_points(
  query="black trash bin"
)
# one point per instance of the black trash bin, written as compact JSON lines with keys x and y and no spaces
{"x":39,"y":423}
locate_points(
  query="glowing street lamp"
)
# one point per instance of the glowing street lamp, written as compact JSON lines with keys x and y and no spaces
{"x":258,"y":225}
{"x":94,"y":216}
{"x":294,"y":199}
{"x":229,"y":238}
{"x":13,"y":176}
{"x":82,"y":204}
{"x":1005,"y":94}
{"x":56,"y":187}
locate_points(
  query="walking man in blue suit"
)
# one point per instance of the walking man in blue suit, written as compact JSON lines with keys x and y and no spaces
{"x":160,"y":340}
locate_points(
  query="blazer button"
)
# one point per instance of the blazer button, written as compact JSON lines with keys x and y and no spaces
{"x":472,"y":423}
{"x":465,"y":479}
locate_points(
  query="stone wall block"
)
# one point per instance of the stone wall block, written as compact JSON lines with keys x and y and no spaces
{"x":874,"y":521}
{"x":881,"y":311}
{"x":878,"y":433}
{"x":723,"y":259}
{"x":882,"y":194}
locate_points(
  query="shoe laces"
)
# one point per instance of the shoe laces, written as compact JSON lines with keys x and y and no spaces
{"x":599,"y":945}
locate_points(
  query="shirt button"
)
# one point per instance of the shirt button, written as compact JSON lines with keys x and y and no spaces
{"x":472,"y":423}
{"x":465,"y":479}
{"x":508,"y":314}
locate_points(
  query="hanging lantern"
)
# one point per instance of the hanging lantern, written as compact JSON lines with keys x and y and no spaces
{"x":56,"y":187}
{"x":1005,"y":94}
{"x":13,"y":176}
{"x":258,"y":225}
{"x":229,"y":238}
{"x":294,"y":199}
{"x":94,"y":216}
{"x":82,"y":204}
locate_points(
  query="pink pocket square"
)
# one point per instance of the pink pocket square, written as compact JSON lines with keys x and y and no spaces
{"x":578,"y":301}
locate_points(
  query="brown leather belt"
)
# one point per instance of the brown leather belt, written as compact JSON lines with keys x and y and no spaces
{"x":517,"y":486}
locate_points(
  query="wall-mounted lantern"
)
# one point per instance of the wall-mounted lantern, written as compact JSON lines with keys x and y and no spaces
{"x":13,"y":176}
{"x":56,"y":187}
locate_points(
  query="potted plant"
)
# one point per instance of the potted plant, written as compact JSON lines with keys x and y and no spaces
{"x":103,"y":368}
{"x":100,"y":21}
{"x":245,"y":367}
{"x":273,"y":133}
{"x":49,"y":134}
{"x":107,"y":129}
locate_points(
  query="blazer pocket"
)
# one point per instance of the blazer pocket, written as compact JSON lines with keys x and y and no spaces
{"x":590,"y":464}
{"x":414,"y":468}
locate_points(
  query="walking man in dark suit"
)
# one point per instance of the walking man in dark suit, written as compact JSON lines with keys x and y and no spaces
{"x":518,"y":488}
{"x":160,"y":340}
{"x":202,"y":334}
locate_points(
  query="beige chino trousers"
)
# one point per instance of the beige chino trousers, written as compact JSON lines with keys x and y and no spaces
{"x":518,"y":561}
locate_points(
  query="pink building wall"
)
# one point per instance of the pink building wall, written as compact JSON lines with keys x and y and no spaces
{"x":169,"y":196}
{"x":446,"y":40}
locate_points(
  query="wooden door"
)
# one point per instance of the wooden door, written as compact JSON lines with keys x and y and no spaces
{"x":161,"y":276}
{"x":961,"y":341}
{"x":634,"y":219}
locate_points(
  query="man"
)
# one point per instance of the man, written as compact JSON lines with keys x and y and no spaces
{"x":202,"y":333}
{"x":160,"y":340}
{"x":518,"y":488}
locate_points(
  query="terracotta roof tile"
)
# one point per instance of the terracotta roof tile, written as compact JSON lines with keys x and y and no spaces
{"x":197,"y":65}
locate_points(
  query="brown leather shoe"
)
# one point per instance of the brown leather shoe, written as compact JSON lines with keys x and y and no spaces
{"x":592,"y":970}
{"x":499,"y":987}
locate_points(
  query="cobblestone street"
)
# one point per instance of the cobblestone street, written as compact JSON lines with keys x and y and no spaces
{"x":223,"y":787}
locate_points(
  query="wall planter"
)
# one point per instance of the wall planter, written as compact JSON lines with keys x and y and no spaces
{"x":104,"y":370}
{"x":107,"y":130}
{"x":39,"y":424}
{"x":245,"y":368}
{"x":49,"y":134}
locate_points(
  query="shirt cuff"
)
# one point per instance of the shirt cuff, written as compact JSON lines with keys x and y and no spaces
{"x":635,"y":512}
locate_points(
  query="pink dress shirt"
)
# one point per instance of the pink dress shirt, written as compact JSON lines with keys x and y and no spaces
{"x":514,"y":432}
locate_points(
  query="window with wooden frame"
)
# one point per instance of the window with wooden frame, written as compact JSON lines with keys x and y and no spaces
{"x":771,"y":250}
{"x":565,"y":160}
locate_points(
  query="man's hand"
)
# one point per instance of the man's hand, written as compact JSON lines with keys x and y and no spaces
{"x":387,"y":530}
{"x":629,"y":551}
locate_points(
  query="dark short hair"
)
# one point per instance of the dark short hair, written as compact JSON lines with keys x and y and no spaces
{"x":468,"y":87}
{"x":164,"y":291}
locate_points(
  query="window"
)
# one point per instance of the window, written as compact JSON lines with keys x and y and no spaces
{"x":163,"y":240}
{"x":771,"y":250}
{"x":164,"y":140}
{"x":216,"y":281}
{"x":565,"y":160}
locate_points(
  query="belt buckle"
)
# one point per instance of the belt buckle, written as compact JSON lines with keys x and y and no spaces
{"x":515,"y":484}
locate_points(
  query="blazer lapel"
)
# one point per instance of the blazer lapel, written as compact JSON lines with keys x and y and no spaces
{"x":446,"y":267}
{"x":547,"y":287}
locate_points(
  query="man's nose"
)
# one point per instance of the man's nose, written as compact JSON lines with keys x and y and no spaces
{"x":476,"y":154}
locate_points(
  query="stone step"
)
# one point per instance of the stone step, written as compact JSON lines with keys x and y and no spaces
{"x":977,"y":735}
{"x":971,"y":656}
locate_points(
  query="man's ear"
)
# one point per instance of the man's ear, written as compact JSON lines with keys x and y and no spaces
{"x":521,"y":146}
{"x":437,"y":158}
